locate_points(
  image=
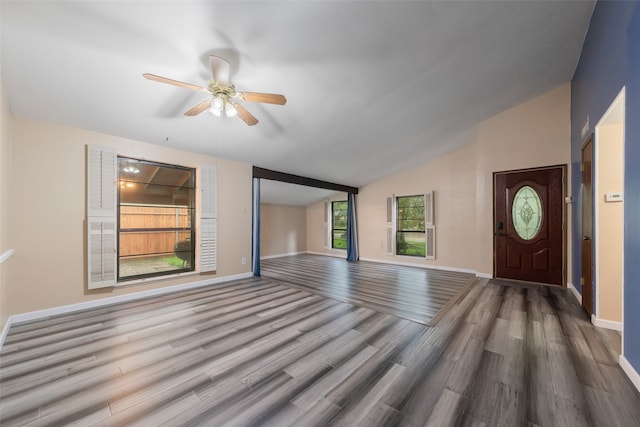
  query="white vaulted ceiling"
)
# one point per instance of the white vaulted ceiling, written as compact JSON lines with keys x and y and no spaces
{"x":373,"y":87}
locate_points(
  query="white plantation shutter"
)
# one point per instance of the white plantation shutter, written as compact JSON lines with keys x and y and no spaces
{"x":327,"y":224}
{"x":208,"y":219}
{"x":209,"y":200}
{"x":101,"y":258}
{"x":430,"y":237}
{"x":101,"y":181}
{"x":428,"y":208}
{"x":390,"y":226}
{"x":430,"y":228}
{"x":208,"y":244}
{"x":101,"y":217}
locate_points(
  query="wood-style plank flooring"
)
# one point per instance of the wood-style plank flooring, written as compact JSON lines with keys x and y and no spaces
{"x":408,"y":292}
{"x":261,"y":352}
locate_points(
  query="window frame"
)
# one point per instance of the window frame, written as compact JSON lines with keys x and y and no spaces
{"x":191,"y":208}
{"x":398,"y":231}
{"x":333,"y":222}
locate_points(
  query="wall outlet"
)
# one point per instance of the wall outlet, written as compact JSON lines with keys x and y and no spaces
{"x":244,"y":261}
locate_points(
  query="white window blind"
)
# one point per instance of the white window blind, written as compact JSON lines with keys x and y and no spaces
{"x":101,"y":217}
{"x":208,"y":219}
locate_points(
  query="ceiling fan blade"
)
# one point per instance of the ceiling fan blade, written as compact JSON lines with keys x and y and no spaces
{"x":219,"y":69}
{"x":171,"y":81}
{"x":244,"y":114}
{"x":198,"y":108}
{"x":269,"y":98}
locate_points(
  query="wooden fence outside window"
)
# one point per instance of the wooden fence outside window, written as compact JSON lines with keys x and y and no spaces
{"x":149,"y":234}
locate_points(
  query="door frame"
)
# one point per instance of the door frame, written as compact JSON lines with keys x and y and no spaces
{"x":614,"y":114}
{"x":587,"y":298}
{"x":563,"y":167}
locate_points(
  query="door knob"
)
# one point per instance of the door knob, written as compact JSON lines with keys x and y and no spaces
{"x":586,"y":238}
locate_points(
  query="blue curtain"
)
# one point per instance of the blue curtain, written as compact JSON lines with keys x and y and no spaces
{"x":352,"y":230}
{"x":255,"y":261}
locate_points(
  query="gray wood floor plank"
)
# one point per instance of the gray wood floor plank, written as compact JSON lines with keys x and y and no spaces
{"x":462,"y":375}
{"x":484,"y":395}
{"x":292,"y":415}
{"x":563,"y":374}
{"x":310,"y":396}
{"x":587,"y":368}
{"x":447,"y":410}
{"x":355,"y":413}
{"x":497,"y":340}
{"x":158,"y":415}
{"x":552,"y":329}
{"x":541,"y":400}
{"x":536,"y":342}
{"x":514,"y":359}
{"x":422,"y":398}
{"x":380,"y":415}
{"x":567,"y":412}
{"x":510,"y":409}
{"x":597,"y":348}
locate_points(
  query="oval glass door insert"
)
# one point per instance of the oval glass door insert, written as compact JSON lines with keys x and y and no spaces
{"x":526,"y":213}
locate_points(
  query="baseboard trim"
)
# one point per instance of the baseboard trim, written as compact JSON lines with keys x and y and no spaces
{"x":5,"y":256}
{"x":425,"y":266}
{"x":630,"y":371}
{"x":575,"y":292}
{"x":64,"y":309}
{"x":409,"y":264}
{"x":5,"y":330}
{"x":342,"y":255}
{"x":281,"y":255}
{"x":606,"y":324}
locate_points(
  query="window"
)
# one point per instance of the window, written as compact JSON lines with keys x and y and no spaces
{"x":410,"y":226}
{"x":339,"y":225}
{"x":526,"y":213}
{"x":156,"y":219}
{"x":120,"y":189}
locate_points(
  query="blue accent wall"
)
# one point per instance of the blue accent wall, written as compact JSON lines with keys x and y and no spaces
{"x":632,"y":198}
{"x":610,"y":60}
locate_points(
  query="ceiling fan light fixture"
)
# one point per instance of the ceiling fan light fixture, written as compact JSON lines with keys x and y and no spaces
{"x":217,"y":105}
{"x":222,"y":94}
{"x":230,"y":110}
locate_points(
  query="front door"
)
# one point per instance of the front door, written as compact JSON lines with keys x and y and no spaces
{"x":528,"y":226}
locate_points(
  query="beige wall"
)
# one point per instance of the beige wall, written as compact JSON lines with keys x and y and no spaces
{"x":5,"y":188}
{"x":452,"y":179}
{"x":283,"y":230}
{"x":47,"y":211}
{"x":609,"y":174}
{"x":535,"y":133}
{"x":316,"y":233}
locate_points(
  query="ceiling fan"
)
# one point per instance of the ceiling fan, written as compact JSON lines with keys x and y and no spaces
{"x":223,"y":94}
